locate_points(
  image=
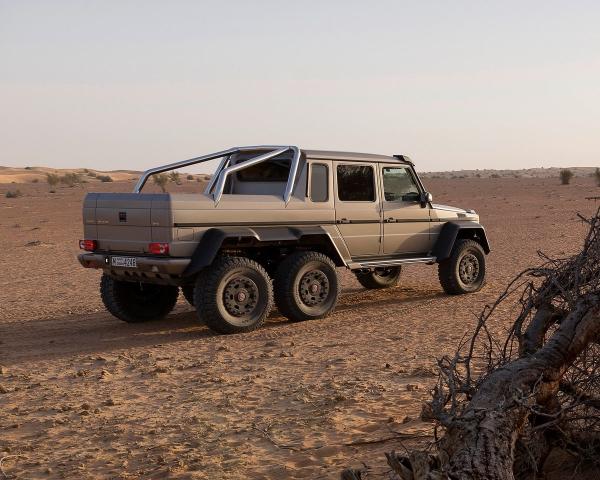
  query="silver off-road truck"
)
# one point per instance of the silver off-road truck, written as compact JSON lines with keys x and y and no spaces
{"x":271,"y":226}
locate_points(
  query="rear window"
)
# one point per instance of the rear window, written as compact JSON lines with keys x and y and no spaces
{"x":356,"y":183}
{"x":276,"y":169}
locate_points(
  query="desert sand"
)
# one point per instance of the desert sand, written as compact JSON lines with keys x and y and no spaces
{"x":84,"y":395}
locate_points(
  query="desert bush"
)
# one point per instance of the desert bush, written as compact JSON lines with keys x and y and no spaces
{"x":53,"y":179}
{"x":175,"y":178}
{"x":495,"y":175}
{"x":28,"y":168}
{"x":565,"y":176}
{"x":597,"y":176}
{"x":478,"y":175}
{"x":70,"y":179}
{"x":104,"y":178}
{"x":13,"y":194}
{"x":92,"y":174}
{"x":207,"y":177}
{"x":161,"y":180}
{"x":35,"y":180}
{"x":190,"y":177}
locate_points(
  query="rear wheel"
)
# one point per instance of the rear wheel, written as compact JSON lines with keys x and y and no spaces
{"x":385,"y":277}
{"x":306,"y":286}
{"x":464,"y":271}
{"x":135,"y":302}
{"x":233,"y":295}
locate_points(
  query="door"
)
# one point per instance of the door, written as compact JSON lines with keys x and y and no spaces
{"x":405,"y":220}
{"x":357,"y":208}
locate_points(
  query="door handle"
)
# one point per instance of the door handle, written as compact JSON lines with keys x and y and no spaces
{"x":390,"y":220}
{"x":343,"y":220}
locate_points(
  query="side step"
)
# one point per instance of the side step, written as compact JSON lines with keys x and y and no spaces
{"x":389,"y":262}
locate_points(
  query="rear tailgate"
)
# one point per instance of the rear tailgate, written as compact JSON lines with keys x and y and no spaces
{"x":124,"y":222}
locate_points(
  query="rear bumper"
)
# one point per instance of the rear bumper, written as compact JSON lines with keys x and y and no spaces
{"x":145,"y":265}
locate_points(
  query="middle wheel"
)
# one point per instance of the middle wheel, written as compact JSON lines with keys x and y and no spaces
{"x":233,"y":295}
{"x":306,"y":286}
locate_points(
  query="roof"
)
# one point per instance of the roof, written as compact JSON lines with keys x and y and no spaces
{"x":355,"y":156}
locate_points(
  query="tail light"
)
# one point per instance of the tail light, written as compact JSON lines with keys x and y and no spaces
{"x":157,"y":248}
{"x":88,"y":245}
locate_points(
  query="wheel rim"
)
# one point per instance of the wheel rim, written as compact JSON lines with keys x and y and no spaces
{"x":468,"y":269}
{"x":314,"y":288}
{"x":384,"y":272}
{"x":240,"y":296}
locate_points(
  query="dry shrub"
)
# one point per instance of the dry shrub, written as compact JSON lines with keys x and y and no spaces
{"x":13,"y":194}
{"x":161,"y":180}
{"x":175,"y":177}
{"x":71,"y":179}
{"x":565,"y":176}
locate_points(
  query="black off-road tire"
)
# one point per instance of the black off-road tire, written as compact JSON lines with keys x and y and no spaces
{"x":464,"y":270}
{"x":379,"y":278}
{"x":233,"y":295}
{"x":136,"y":302}
{"x":188,"y":293}
{"x":297,"y":275}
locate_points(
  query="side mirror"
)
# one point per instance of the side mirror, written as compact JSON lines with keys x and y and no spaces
{"x":426,"y":197}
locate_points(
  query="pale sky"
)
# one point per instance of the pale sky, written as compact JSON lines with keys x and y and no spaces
{"x":454,"y":85}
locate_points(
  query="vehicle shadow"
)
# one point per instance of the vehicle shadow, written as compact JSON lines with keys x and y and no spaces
{"x":92,"y":333}
{"x":88,"y":334}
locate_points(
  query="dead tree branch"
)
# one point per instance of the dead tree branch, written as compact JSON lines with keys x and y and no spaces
{"x":503,"y":406}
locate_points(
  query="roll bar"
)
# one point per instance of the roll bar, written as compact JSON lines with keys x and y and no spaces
{"x":217,"y":182}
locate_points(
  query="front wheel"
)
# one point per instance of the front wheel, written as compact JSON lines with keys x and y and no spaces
{"x":136,"y":302}
{"x":464,"y":271}
{"x":384,"y":277}
{"x":233,"y":295}
{"x":306,"y":286}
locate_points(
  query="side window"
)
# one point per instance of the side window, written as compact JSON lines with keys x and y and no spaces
{"x":319,"y":182}
{"x":356,"y":183}
{"x":399,"y":185}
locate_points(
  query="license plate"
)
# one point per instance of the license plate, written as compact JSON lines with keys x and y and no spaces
{"x":127,"y":262}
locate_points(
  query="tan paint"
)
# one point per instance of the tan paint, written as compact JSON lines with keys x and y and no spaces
{"x":182,"y":219}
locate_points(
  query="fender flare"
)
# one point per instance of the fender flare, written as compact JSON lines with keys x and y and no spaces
{"x":213,"y":238}
{"x":451,"y":231}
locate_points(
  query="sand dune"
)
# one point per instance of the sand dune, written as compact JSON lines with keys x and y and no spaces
{"x":30,"y":174}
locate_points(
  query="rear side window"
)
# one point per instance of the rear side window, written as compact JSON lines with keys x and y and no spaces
{"x":356,"y":183}
{"x":319,"y":183}
{"x":270,"y":171}
{"x":277,"y":169}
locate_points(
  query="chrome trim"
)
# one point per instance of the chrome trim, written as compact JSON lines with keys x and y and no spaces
{"x":289,"y":189}
{"x":223,"y":174}
{"x":217,"y":182}
{"x":213,"y":179}
{"x":389,"y":263}
{"x":183,"y":163}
